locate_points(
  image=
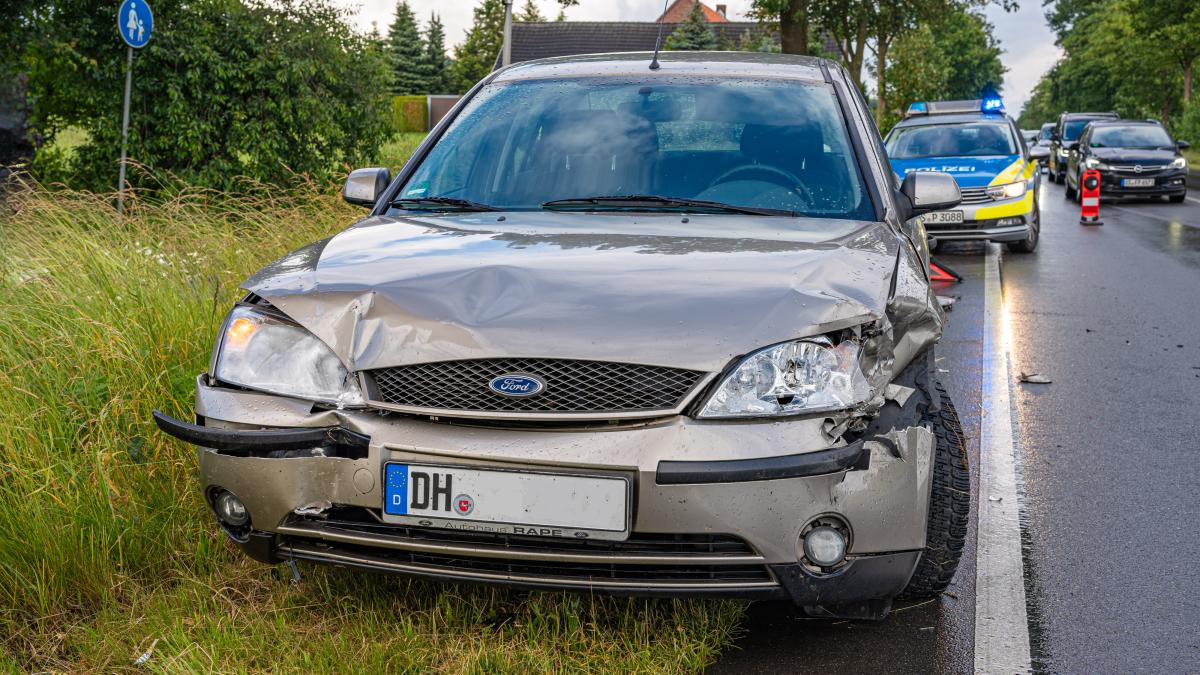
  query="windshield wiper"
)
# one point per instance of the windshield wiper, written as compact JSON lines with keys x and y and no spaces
{"x":428,"y":203}
{"x":659,"y":202}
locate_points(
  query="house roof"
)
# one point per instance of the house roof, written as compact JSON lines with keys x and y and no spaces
{"x":540,"y":40}
{"x":679,"y":10}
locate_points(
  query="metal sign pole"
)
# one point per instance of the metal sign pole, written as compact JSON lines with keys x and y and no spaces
{"x":507,"y":60}
{"x":125,"y":132}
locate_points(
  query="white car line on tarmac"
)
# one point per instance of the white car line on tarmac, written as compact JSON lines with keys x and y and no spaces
{"x":1001,"y":621}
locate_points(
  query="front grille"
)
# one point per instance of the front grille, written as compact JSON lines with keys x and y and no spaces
{"x":675,"y":561}
{"x":571,"y":386}
{"x":975,"y":195}
{"x":1146,"y":169}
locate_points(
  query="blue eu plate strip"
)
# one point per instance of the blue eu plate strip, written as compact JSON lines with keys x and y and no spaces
{"x":395,"y":489}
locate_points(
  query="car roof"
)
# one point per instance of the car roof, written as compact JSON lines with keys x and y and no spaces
{"x":955,"y":118}
{"x":1125,"y":123}
{"x":1098,"y":115}
{"x":717,"y":64}
{"x":1047,"y":124}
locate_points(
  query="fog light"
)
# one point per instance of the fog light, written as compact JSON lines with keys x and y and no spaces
{"x":230,"y":509}
{"x":824,"y":546}
{"x":1018,"y":220}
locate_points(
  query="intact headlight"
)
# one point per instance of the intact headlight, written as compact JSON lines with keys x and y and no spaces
{"x":263,"y":351}
{"x":1093,"y":163}
{"x":1179,"y":163}
{"x":794,"y":377}
{"x":1007,"y":191}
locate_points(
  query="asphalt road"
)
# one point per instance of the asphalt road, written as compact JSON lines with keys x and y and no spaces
{"x":1108,"y":454}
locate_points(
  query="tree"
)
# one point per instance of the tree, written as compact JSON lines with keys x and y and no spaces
{"x":437,"y":65}
{"x":918,"y":72}
{"x":848,"y":22}
{"x":529,"y":13}
{"x":406,"y":53}
{"x":968,"y":43}
{"x":475,"y":57}
{"x":1175,"y":26}
{"x":226,"y":88}
{"x":793,"y":19}
{"x":694,"y":34}
{"x":953,"y":57}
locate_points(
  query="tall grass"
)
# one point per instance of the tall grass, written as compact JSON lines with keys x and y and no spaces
{"x":105,"y":546}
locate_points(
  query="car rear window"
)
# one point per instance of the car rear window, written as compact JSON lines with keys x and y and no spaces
{"x":779,"y":145}
{"x":967,"y":139}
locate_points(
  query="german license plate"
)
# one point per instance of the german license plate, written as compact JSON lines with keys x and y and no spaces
{"x":507,"y":501}
{"x":1137,"y":182}
{"x":943,"y":217}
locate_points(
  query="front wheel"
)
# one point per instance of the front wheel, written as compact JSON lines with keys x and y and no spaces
{"x":949,"y":503}
{"x":1068,"y":191}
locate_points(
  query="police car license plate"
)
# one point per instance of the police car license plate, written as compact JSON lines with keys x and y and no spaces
{"x":1137,"y":182}
{"x":944,"y":217}
{"x":507,"y":501}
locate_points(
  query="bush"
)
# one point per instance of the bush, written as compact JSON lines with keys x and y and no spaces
{"x":410,"y":114}
{"x":225,"y":88}
{"x":1186,"y":125}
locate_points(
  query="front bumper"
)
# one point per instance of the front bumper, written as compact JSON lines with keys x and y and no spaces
{"x":1000,"y":221}
{"x":1166,"y":183}
{"x":717,"y":508}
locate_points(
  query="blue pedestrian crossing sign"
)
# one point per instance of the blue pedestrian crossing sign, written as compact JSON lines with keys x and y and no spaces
{"x":135,"y":21}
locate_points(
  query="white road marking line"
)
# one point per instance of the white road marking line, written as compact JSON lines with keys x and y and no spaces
{"x":1001,"y":623}
{"x":1192,"y":199}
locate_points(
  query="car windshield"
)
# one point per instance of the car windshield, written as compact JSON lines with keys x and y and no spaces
{"x":1046,"y":132}
{"x":772,"y":147}
{"x":1141,"y":137}
{"x":951,"y":140}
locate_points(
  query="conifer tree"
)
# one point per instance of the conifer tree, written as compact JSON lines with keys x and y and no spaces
{"x":437,"y":64}
{"x":406,"y":52}
{"x":694,"y":34}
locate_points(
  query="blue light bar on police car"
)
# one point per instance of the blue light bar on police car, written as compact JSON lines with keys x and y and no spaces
{"x":988,"y":105}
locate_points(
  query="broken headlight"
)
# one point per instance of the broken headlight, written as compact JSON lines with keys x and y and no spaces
{"x":794,"y":377}
{"x":264,"y":351}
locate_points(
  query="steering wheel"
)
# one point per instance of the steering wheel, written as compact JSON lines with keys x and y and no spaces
{"x":772,"y":174}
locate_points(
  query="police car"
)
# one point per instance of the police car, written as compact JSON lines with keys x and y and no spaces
{"x":981,"y":146}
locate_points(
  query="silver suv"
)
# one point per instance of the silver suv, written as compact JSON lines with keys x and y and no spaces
{"x":612,"y":328}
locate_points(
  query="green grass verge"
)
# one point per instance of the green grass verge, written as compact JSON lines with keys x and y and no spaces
{"x":105,"y":545}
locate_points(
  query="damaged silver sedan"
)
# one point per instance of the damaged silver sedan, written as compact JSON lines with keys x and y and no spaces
{"x":657,"y":332}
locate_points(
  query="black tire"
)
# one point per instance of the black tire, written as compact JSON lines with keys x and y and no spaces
{"x":1068,"y":191}
{"x":949,"y":504}
{"x":1059,"y":177}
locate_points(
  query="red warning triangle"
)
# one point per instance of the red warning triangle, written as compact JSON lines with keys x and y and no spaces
{"x":939,"y":272}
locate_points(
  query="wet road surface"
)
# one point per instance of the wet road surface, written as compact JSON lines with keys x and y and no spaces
{"x":1108,"y":455}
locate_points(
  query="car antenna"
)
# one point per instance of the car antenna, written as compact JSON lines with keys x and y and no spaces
{"x":658,"y":40}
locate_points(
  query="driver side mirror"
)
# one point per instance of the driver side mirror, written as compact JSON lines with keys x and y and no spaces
{"x":930,"y":191}
{"x":1182,"y":145}
{"x":1071,"y":145}
{"x":364,"y":186}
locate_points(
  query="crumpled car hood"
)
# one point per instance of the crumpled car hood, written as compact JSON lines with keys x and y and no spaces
{"x":657,"y":289}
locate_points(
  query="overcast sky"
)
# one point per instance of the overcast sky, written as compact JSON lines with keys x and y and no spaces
{"x":1028,"y":44}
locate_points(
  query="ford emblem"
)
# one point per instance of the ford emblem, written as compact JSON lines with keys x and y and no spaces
{"x":517,"y":384}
